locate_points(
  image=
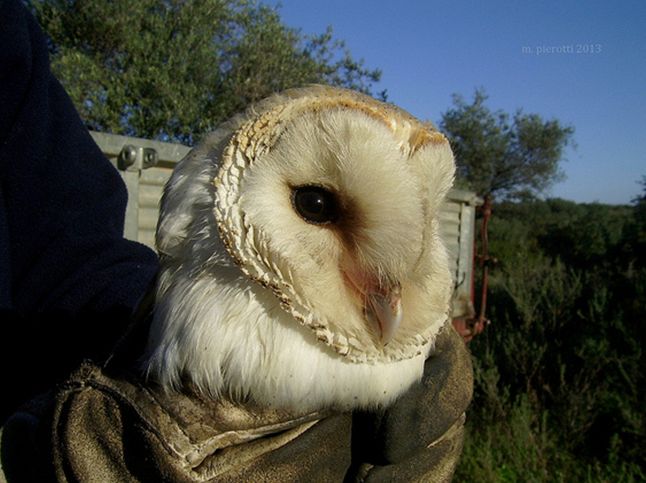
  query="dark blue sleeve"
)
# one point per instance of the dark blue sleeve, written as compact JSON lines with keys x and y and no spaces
{"x":67,"y":275}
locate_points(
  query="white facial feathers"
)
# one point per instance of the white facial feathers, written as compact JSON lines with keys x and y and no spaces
{"x":255,"y":300}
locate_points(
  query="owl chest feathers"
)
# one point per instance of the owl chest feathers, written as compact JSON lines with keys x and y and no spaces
{"x":243,"y":344}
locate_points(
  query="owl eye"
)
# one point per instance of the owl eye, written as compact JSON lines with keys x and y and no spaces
{"x":315,"y":204}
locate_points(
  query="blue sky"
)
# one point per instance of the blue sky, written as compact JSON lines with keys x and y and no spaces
{"x":528,"y":55}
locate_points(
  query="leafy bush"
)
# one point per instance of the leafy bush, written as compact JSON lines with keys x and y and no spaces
{"x":559,"y":383}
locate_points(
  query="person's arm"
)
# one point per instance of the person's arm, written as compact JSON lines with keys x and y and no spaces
{"x":68,"y":278}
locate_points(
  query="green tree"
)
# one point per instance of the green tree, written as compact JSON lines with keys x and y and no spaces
{"x":174,"y":69}
{"x":501,"y":155}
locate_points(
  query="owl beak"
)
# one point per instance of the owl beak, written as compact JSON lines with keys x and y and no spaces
{"x":382,"y":304}
{"x":383,"y":307}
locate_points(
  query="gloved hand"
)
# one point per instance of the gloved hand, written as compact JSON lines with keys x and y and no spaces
{"x":419,"y":437}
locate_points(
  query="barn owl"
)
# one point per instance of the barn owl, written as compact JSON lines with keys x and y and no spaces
{"x":301,"y":262}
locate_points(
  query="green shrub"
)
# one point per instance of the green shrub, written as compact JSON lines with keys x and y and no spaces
{"x":559,"y":375}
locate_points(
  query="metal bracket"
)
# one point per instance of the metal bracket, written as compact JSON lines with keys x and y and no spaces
{"x":132,"y":160}
{"x":136,"y":158}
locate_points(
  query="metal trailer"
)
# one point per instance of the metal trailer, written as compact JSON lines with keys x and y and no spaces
{"x":146,"y":165}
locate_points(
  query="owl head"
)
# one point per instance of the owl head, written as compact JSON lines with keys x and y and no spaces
{"x":301,"y":262}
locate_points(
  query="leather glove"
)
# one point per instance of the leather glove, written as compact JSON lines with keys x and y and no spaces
{"x":419,"y":437}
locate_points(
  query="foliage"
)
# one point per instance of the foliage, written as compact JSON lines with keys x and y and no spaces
{"x":501,"y":155}
{"x":170,"y":70}
{"x":636,"y":233}
{"x":559,"y":381}
{"x":524,"y":446}
{"x":580,"y":234}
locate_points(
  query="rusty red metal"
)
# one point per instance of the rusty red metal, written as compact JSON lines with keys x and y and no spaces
{"x":469,"y":327}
